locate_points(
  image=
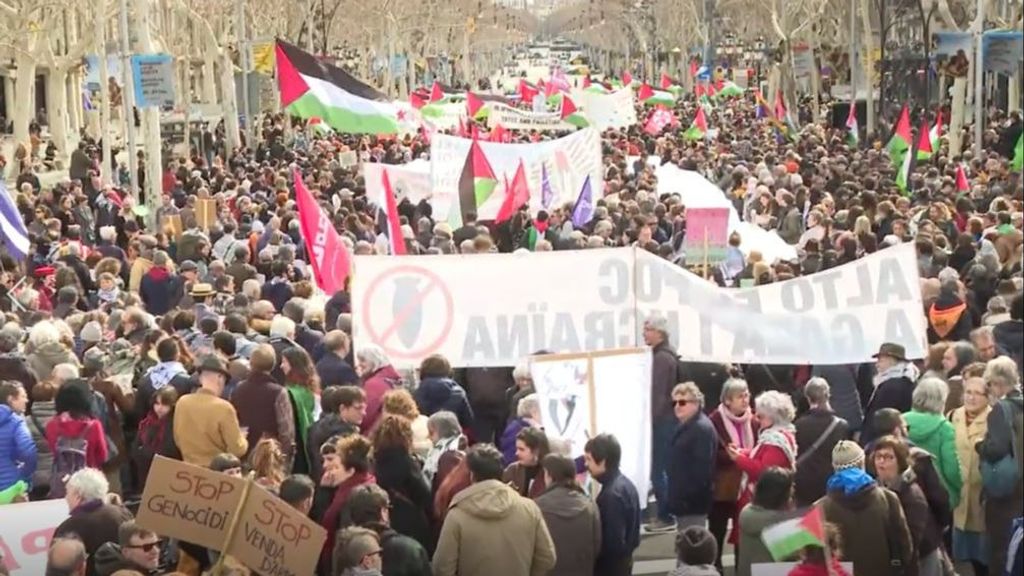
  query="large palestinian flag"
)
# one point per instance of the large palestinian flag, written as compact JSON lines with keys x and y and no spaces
{"x":310,"y":88}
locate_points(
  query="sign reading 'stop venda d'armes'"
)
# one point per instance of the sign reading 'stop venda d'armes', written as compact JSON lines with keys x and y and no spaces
{"x":494,"y":309}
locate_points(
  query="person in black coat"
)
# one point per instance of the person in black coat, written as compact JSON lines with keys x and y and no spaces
{"x":159,"y":285}
{"x":306,"y":337}
{"x":332,"y":368}
{"x":894,"y":386}
{"x":401,"y":476}
{"x":692,"y":459}
{"x":814,"y":456}
{"x":618,"y":504}
{"x":343,"y":410}
{"x":278,"y":290}
{"x":401,"y":555}
{"x":437,"y":391}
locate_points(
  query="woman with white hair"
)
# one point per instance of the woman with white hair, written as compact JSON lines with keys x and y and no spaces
{"x":527,"y":416}
{"x":1002,"y":441}
{"x":523,"y":387}
{"x":378,"y":376}
{"x":47,"y":347}
{"x":92,"y":518}
{"x":776,"y":445}
{"x":928,"y":429}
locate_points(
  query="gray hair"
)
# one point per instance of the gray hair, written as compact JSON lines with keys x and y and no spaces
{"x":930,"y":395}
{"x":373,"y":356}
{"x":658,"y":323}
{"x":89,"y":484}
{"x":817,"y":390}
{"x":1002,"y":371}
{"x":527,"y":404}
{"x":282,"y":327}
{"x":521,"y":371}
{"x":986,"y":331}
{"x":45,"y":332}
{"x":689,"y":389}
{"x":997,"y":305}
{"x":777,"y":406}
{"x":733,"y":387}
{"x":445,"y":424}
{"x":64,"y":372}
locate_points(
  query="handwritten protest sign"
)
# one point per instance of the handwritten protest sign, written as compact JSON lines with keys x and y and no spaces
{"x":274,"y":538}
{"x":189,"y":503}
{"x":707,"y":235}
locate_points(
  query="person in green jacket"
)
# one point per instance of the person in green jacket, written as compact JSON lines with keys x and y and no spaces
{"x":929,"y":430}
{"x":302,"y":384}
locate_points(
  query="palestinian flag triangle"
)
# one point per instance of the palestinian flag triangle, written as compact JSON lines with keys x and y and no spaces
{"x":475,"y":107}
{"x":310,"y":88}
{"x":699,"y":129}
{"x":571,"y":114}
{"x":477,"y":181}
{"x":901,"y":137}
{"x":786,"y":539}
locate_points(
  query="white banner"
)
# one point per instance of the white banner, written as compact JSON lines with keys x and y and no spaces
{"x":494,"y":309}
{"x":582,"y":395}
{"x":25,"y":534}
{"x":449,"y":116}
{"x":410,"y":181}
{"x":516,"y":119}
{"x":613,"y":110}
{"x":568,"y":161}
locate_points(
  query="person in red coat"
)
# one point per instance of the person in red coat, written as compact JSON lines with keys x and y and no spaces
{"x":75,"y":420}
{"x":353,"y":471}
{"x":379,"y":377}
{"x":776,"y":446}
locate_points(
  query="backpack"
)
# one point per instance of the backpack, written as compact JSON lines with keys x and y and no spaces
{"x":69,"y":456}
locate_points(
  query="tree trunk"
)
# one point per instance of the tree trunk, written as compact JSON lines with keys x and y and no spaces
{"x":56,"y":105}
{"x":150,"y":121}
{"x":956,"y":120}
{"x":229,"y":104}
{"x":209,"y":77}
{"x":25,"y":79}
{"x":868,"y":61}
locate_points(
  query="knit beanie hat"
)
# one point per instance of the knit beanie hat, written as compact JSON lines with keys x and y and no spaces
{"x":696,"y":546}
{"x":847,"y":455}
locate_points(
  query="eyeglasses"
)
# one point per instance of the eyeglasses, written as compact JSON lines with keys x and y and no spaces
{"x":147,"y":547}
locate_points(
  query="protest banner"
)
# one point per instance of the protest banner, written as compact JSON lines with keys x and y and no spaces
{"x":569,"y":162}
{"x":189,"y":503}
{"x":516,"y":119}
{"x":582,"y":395}
{"x":274,"y":538}
{"x":410,"y":181}
{"x":348,"y":159}
{"x":597,"y":300}
{"x":707,"y":235}
{"x":614,"y":110}
{"x":25,"y":534}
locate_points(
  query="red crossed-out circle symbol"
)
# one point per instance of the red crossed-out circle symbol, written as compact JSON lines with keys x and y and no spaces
{"x":409,"y":309}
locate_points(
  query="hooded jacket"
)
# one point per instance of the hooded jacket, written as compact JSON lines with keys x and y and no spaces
{"x":936,"y":435}
{"x":619,"y":505}
{"x":437,"y":394}
{"x":752,"y":521}
{"x":575,"y":527}
{"x":157,"y":289}
{"x":488,"y":517}
{"x":17,"y":450}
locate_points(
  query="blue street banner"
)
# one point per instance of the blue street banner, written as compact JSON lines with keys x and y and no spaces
{"x":153,"y":77}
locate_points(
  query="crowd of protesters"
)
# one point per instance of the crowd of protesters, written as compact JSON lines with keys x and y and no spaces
{"x":207,"y":344}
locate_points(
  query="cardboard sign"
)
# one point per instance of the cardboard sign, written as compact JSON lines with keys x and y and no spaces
{"x":707,"y":235}
{"x":274,"y":538}
{"x":25,"y":534}
{"x":172,"y":226}
{"x":206,"y":212}
{"x":189,"y":503}
{"x":348,"y":159}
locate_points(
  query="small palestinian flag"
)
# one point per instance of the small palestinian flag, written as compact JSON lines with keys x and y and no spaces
{"x":627,"y":78}
{"x":785,"y":539}
{"x":962,"y":184}
{"x":652,"y":97}
{"x":924,"y":143}
{"x":476,"y":108}
{"x":730,"y":90}
{"x":310,"y":88}
{"x":907,"y":162}
{"x":699,"y":129}
{"x":571,"y":114}
{"x":1018,"y":155}
{"x":901,"y":137}
{"x":852,"y":127}
{"x":477,"y":182}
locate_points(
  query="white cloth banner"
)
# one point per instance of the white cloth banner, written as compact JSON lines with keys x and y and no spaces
{"x":494,"y":309}
{"x":568,"y":162}
{"x":516,"y":119}
{"x":449,"y":116}
{"x":410,"y":181}
{"x":582,"y":395}
{"x":614,"y":110}
{"x":25,"y":534}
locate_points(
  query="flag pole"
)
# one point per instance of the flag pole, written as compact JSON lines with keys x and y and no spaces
{"x":824,"y":545}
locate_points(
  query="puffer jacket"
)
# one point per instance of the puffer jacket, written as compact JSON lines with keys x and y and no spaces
{"x":437,"y":394}
{"x":42,"y":413}
{"x":17,"y":451}
{"x":934,"y":434}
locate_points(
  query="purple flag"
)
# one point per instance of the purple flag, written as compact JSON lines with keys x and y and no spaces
{"x":583,"y":211}
{"x":546,"y":194}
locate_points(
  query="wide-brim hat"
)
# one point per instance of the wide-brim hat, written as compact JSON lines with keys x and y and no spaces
{"x":202,"y":290}
{"x":892,"y":350}
{"x":212,"y":363}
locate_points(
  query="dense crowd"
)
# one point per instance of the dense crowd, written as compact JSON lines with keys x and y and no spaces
{"x":208,"y":344}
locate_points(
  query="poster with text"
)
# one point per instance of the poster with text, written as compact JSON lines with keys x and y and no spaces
{"x":25,"y":533}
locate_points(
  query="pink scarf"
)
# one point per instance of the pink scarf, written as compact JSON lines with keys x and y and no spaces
{"x":731,"y":424}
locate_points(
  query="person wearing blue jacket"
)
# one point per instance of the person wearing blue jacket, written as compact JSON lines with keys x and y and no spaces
{"x":619,"y":506}
{"x":17,"y":449}
{"x":437,"y":391}
{"x":692,"y":459}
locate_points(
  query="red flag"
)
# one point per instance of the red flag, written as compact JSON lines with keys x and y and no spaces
{"x":627,"y":78}
{"x":473,"y":104}
{"x":527,"y":91}
{"x":550,"y":89}
{"x":436,"y":93}
{"x":698,"y":89}
{"x":962,"y":184}
{"x":694,"y":67}
{"x":498,"y":134}
{"x":711,"y":89}
{"x":416,"y":100}
{"x":924,"y":141}
{"x":666,"y":81}
{"x":330,"y":258}
{"x":516,"y":195}
{"x":394,"y":225}
{"x":645,"y":92}
{"x":568,"y":107}
{"x":586,"y":81}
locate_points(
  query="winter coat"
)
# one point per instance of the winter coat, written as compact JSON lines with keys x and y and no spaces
{"x":17,"y":451}
{"x":507,"y":444}
{"x":90,"y":429}
{"x":1009,"y":336}
{"x":691,"y":467}
{"x":333,"y":370}
{"x":619,"y":506}
{"x":42,"y":359}
{"x":895,"y":392}
{"x":110,"y":559}
{"x":753,"y":520}
{"x":664,"y":377}
{"x":14,"y":366}
{"x":319,"y":432}
{"x":925,"y":533}
{"x":575,"y":527}
{"x":42,"y":413}
{"x":727,"y":474}
{"x":1000,"y":512}
{"x":332,"y":517}
{"x":437,"y":394}
{"x":157,"y":289}
{"x":485,"y":388}
{"x":948,"y":320}
{"x":278,"y":292}
{"x":160,"y":375}
{"x":517,"y":476}
{"x":850,"y":386}
{"x":95,"y":523}
{"x":492,"y":531}
{"x":375,"y":386}
{"x":815,"y":469}
{"x":205,"y":426}
{"x":791,"y":225}
{"x":140,"y":266}
{"x":768,"y":452}
{"x":264,"y":408}
{"x":934,"y":434}
{"x":400,"y":476}
{"x":969,"y":515}
{"x":155,"y":438}
{"x":401,"y":556}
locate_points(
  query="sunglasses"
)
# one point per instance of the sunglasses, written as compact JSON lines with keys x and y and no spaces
{"x":147,"y":547}
{"x":682,"y":402}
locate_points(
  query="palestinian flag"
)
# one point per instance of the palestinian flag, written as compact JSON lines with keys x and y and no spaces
{"x":1018,"y":155}
{"x":962,"y":184}
{"x":475,"y":107}
{"x":627,"y":78}
{"x":571,"y":114}
{"x":597,"y":88}
{"x":730,"y":90}
{"x":310,"y":88}
{"x":786,"y":539}
{"x":699,"y":129}
{"x":901,"y":137}
{"x":785,"y":120}
{"x":527,"y":91}
{"x":761,"y":111}
{"x":852,"y":127}
{"x":906,"y":168}
{"x":652,"y":97}
{"x":924,"y":143}
{"x":936,"y":132}
{"x":477,"y":182}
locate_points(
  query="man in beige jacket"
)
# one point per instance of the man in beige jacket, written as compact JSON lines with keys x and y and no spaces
{"x":491,"y":530}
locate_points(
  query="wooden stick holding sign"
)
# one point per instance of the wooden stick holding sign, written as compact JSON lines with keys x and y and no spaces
{"x":218,"y":568}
